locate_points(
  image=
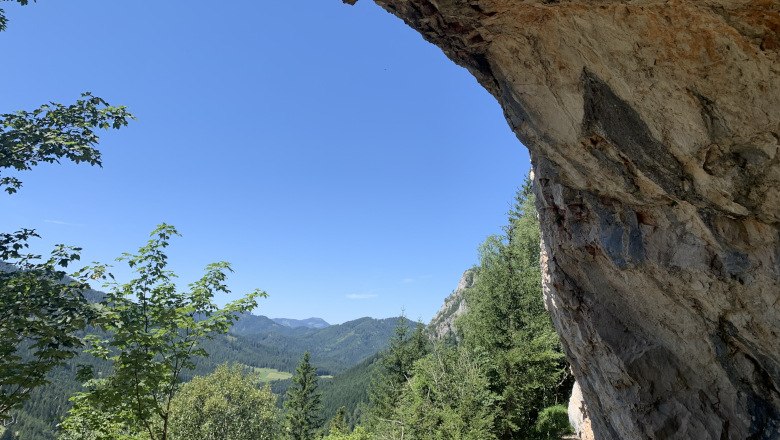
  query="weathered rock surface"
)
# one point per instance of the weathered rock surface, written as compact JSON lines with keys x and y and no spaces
{"x":442,"y":326}
{"x":654,"y":129}
{"x":578,"y":415}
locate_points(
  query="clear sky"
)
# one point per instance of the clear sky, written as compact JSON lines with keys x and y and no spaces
{"x":334,"y":157}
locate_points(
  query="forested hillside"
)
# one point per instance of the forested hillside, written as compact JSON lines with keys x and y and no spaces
{"x":333,"y":348}
{"x":489,"y":366}
{"x":348,"y":390}
{"x":260,"y":343}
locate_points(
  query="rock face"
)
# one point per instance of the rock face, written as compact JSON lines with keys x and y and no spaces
{"x":578,"y":415}
{"x":653,"y":128}
{"x":442,"y":326}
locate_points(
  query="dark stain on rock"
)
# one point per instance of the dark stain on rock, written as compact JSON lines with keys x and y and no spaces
{"x":635,"y":245}
{"x":777,"y":262}
{"x":619,"y":234}
{"x":615,"y":120}
{"x":735,"y":263}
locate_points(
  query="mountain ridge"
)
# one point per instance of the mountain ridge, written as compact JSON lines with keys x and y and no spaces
{"x":312,"y":322}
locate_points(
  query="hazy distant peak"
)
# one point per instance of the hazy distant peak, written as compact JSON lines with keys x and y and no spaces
{"x":308,"y":323}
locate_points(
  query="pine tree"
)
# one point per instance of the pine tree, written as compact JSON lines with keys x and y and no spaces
{"x":303,"y":402}
{"x":448,"y":397}
{"x":396,"y":370}
{"x":339,"y":424}
{"x":507,"y":323}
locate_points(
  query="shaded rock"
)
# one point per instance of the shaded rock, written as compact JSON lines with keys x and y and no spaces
{"x":578,"y":415}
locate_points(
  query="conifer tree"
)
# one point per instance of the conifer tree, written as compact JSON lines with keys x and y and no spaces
{"x":396,"y":370}
{"x":339,"y":424}
{"x":303,"y":403}
{"x":507,"y":322}
{"x":448,"y":397}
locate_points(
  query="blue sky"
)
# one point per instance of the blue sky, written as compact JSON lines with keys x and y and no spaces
{"x":334,"y":157}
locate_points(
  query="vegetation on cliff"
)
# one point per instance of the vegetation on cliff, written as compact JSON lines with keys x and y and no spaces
{"x":503,"y":377}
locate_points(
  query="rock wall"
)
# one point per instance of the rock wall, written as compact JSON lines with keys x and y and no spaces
{"x":578,"y":415}
{"x":442,"y":326}
{"x":654,"y":129}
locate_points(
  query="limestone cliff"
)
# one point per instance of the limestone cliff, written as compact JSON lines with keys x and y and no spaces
{"x":578,"y":415}
{"x":442,"y":326}
{"x":653,"y":128}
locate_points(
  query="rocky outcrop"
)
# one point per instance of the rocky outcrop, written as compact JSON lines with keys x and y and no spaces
{"x":442,"y":326}
{"x":653,"y":128}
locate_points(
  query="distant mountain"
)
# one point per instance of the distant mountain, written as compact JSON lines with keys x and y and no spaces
{"x":334,"y":348}
{"x":249,"y":324}
{"x":308,"y":323}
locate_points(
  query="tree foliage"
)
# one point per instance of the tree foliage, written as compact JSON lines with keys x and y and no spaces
{"x":507,"y":322}
{"x":552,"y":423}
{"x":504,"y":374}
{"x":447,"y":397}
{"x":53,"y":132}
{"x":303,"y":404}
{"x":155,"y":332}
{"x":87,"y":421}
{"x":339,"y":424}
{"x":228,"y":404}
{"x":4,"y":19}
{"x":40,"y":308}
{"x":359,"y":433}
{"x":40,"y":312}
{"x":395,"y":371}
{"x":37,"y":418}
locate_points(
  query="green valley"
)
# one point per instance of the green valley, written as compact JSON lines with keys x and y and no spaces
{"x":268,"y":349}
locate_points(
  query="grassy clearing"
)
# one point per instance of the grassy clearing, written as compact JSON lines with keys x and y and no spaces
{"x":270,"y":374}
